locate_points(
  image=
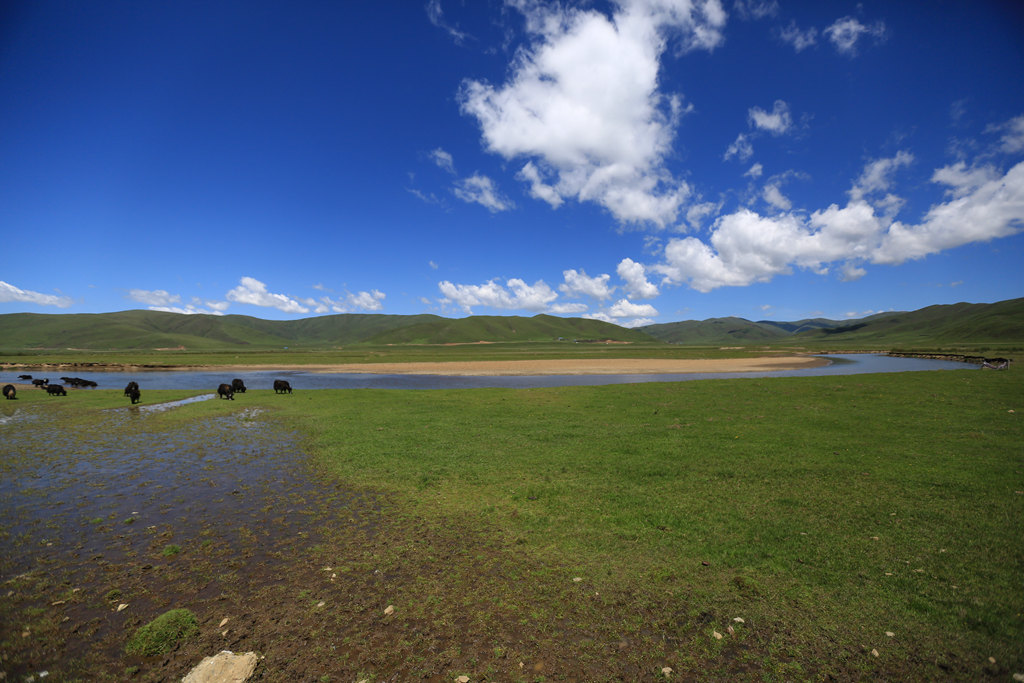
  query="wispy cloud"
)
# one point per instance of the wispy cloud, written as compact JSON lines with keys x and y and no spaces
{"x":479,"y":189}
{"x":845,"y":33}
{"x":9,"y":292}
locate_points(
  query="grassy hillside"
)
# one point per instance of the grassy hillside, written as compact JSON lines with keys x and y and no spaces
{"x":507,"y":328}
{"x":128,"y":330}
{"x":991,"y":325}
{"x":716,"y":331}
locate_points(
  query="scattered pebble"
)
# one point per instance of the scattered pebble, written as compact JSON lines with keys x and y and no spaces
{"x":739,"y":620}
{"x":874,"y":653}
{"x":462,"y":679}
{"x":389,"y":610}
{"x":730,"y":629}
{"x":991,"y":660}
{"x":577,"y":579}
{"x":122,"y":606}
{"x":890,"y":634}
{"x":222,"y":622}
{"x":717,"y":635}
{"x":321,"y":603}
{"x":1018,"y":677}
{"x":666,"y":671}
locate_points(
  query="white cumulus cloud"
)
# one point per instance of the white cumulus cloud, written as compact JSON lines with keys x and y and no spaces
{"x":582,"y":105}
{"x":252,"y":291}
{"x":514,"y":295}
{"x":777,"y":121}
{"x":579,"y":284}
{"x":9,"y":292}
{"x":745,"y":247}
{"x":635,"y":276}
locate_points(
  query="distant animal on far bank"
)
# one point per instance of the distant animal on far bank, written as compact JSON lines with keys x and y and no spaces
{"x":10,"y":393}
{"x":225,"y":391}
{"x":282,"y":387}
{"x":238,"y":386}
{"x":56,"y":390}
{"x":996,"y":363}
{"x":24,"y":376}
{"x":131,"y":386}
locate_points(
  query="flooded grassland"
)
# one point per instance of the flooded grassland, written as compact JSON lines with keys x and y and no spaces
{"x":109,"y":520}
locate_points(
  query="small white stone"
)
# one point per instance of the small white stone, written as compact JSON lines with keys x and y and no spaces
{"x":122,"y":606}
{"x":389,"y":610}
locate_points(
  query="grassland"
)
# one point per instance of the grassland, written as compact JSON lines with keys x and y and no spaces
{"x":861,"y":527}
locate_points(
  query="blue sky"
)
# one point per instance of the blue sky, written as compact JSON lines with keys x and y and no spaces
{"x":635,"y":161}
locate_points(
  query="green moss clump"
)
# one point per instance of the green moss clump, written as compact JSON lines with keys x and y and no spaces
{"x":160,"y":635}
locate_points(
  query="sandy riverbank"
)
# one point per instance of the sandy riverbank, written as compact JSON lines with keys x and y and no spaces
{"x":572,"y":366}
{"x":564,"y":366}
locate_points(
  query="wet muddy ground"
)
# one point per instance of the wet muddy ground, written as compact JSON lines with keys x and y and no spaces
{"x":105,"y":525}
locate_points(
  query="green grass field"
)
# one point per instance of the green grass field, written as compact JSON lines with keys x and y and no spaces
{"x":861,"y":526}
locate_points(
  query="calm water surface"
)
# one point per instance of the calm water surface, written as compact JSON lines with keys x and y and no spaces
{"x":839,"y":364}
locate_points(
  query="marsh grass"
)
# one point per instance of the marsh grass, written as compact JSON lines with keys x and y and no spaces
{"x":163,"y":633}
{"x":824,"y":511}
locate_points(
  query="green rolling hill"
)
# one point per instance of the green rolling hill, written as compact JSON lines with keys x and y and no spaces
{"x":994,"y":324}
{"x":127,"y":330}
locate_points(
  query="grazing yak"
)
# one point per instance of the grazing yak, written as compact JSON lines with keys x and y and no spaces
{"x":10,"y":393}
{"x":225,"y":391}
{"x":238,"y":386}
{"x":131,"y":386}
{"x":40,"y":382}
{"x":56,"y":390}
{"x":281,"y":387}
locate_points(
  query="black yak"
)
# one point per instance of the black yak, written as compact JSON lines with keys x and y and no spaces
{"x":131,"y":386}
{"x":225,"y":391}
{"x":281,"y":387}
{"x":56,"y":390}
{"x":238,"y":386}
{"x":10,"y":392}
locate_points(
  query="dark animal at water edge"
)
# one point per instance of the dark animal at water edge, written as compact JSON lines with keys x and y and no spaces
{"x":281,"y":387}
{"x":132,"y":386}
{"x":24,"y":376}
{"x":238,"y":386}
{"x":40,"y":382}
{"x":79,"y":382}
{"x":10,"y":392}
{"x":996,"y":363}
{"x":56,"y":390}
{"x":135,"y":395}
{"x":224,"y":391}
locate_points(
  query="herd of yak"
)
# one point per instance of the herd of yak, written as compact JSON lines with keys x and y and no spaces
{"x":131,"y":391}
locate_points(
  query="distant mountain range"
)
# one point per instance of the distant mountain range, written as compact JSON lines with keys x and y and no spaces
{"x":1000,"y":323}
{"x":997,"y":323}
